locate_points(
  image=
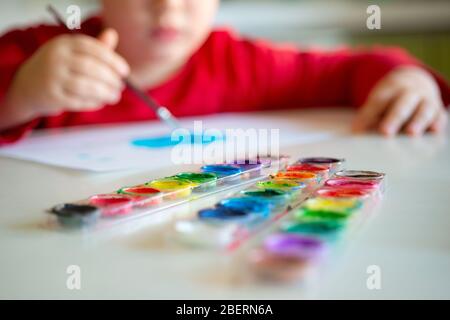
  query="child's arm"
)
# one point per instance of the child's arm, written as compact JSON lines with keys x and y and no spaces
{"x":68,"y":73}
{"x":269,"y":77}
{"x":406,"y":97}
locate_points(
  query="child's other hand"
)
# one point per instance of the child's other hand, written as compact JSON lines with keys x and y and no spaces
{"x":70,"y":72}
{"x":406,"y":100}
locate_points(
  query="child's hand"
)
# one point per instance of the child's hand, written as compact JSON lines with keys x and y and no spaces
{"x":407,"y":99}
{"x":70,"y":72}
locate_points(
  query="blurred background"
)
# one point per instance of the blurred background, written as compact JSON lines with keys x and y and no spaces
{"x":420,"y":26}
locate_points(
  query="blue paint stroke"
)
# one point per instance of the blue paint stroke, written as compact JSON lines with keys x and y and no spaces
{"x":168,"y":141}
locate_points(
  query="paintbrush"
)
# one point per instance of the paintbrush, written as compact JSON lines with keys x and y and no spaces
{"x":162,"y":112}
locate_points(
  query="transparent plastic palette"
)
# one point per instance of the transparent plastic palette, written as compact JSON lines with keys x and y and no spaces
{"x":235,"y":219}
{"x":131,"y":202}
{"x":309,"y":233}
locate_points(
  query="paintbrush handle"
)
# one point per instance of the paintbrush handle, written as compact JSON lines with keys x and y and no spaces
{"x":146,"y":98}
{"x":162,"y":112}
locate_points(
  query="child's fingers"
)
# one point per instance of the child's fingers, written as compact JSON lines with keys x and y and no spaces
{"x":67,"y":100}
{"x":92,"y":68}
{"x":76,"y":103}
{"x":90,"y":46}
{"x":423,"y":118}
{"x":109,"y":38}
{"x":90,"y":89}
{"x":399,"y":112}
{"x":440,"y":123}
{"x":371,"y":111}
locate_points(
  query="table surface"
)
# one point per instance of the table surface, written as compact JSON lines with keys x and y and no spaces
{"x":408,"y":238}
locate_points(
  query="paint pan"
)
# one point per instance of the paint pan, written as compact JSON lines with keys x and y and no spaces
{"x":266,"y":162}
{"x":205,"y":234}
{"x":333,"y":192}
{"x":309,"y":178}
{"x":226,"y":172}
{"x":334,"y":163}
{"x":321,"y":170}
{"x":352,"y":183}
{"x":251,"y":168}
{"x":224,"y":214}
{"x":336,"y":205}
{"x":205,"y":181}
{"x":173,"y":188}
{"x":76,"y":215}
{"x":326,"y":209}
{"x":266,"y":266}
{"x":276,"y":197}
{"x":316,"y":168}
{"x":250,"y":205}
{"x":285,"y":258}
{"x":292,"y":187}
{"x":360,"y":175}
{"x":360,"y":179}
{"x":323,"y":229}
{"x":293,"y":245}
{"x":308,"y":215}
{"x":113,"y":204}
{"x":149,"y":196}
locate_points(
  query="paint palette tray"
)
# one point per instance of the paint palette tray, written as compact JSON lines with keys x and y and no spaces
{"x":137,"y":201}
{"x":237,"y":218}
{"x":295,"y":247}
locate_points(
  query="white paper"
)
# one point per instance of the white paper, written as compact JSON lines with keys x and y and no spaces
{"x":108,"y":148}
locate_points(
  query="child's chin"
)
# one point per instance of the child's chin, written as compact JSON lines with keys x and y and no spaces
{"x":166,"y":53}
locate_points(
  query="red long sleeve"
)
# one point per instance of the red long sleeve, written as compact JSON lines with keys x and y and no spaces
{"x":226,"y":74}
{"x":15,"y":48}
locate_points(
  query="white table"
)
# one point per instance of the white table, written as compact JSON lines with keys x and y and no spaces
{"x":408,"y":238}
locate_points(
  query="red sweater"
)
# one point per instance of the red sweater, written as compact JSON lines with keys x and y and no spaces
{"x":226,"y":74}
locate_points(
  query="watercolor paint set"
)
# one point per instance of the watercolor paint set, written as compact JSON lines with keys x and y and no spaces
{"x":297,"y":246}
{"x":131,"y":202}
{"x":279,"y":223}
{"x":234,"y":220}
{"x":283,"y":227}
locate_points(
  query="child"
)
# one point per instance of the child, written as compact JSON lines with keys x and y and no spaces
{"x":49,"y":78}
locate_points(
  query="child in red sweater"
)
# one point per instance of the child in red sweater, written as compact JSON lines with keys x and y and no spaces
{"x":49,"y":78}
